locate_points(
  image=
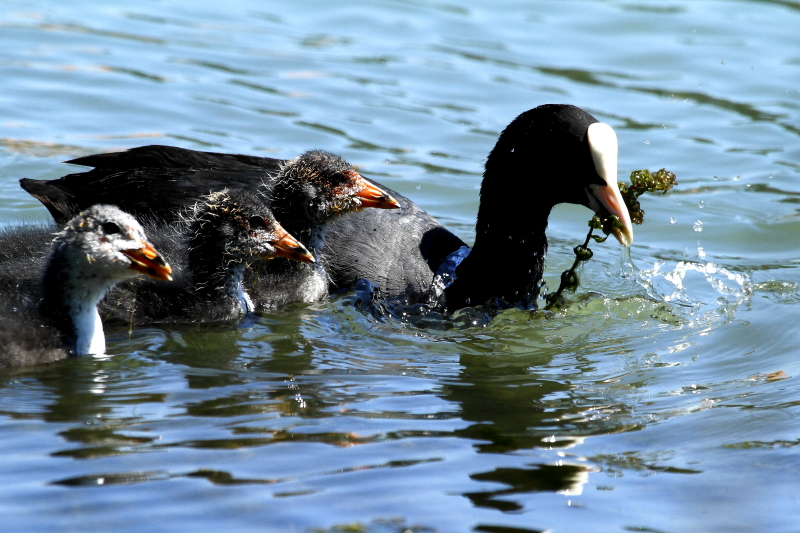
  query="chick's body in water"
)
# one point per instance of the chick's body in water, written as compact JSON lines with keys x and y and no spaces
{"x":48,"y":309}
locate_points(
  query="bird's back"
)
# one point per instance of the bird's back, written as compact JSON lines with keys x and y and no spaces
{"x":400,"y":250}
{"x":150,"y":181}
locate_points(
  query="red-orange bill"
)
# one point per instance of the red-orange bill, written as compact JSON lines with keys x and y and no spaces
{"x":373,"y":196}
{"x":287,"y":246}
{"x":149,"y":262}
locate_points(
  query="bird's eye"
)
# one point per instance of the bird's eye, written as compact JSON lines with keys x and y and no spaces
{"x":338,"y":178}
{"x":110,"y":228}
{"x":257,"y":223}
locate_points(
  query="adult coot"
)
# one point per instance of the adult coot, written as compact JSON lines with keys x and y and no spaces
{"x":57,"y":316}
{"x":548,"y":155}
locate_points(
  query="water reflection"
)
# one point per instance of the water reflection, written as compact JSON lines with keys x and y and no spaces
{"x":527,"y":382}
{"x":512,"y":411}
{"x":562,"y":478}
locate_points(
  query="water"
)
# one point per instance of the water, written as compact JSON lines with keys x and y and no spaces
{"x":665,"y":398}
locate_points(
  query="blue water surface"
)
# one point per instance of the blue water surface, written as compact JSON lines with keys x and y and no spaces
{"x":663,"y":398}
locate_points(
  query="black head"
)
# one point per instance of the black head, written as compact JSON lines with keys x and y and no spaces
{"x":318,"y":185}
{"x":549,"y":155}
{"x":237,"y":226}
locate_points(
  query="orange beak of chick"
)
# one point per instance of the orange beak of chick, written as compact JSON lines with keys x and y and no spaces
{"x":373,"y":196}
{"x":149,"y":262}
{"x":287,"y":246}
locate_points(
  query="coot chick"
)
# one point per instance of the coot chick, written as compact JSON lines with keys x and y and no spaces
{"x":306,"y":195}
{"x":223,"y":232}
{"x":548,"y":155}
{"x":57,"y":317}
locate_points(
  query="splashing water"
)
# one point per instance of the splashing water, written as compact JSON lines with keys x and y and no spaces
{"x":446,"y":275}
{"x":678,"y":285}
{"x":694,"y":296}
{"x":684,"y":294}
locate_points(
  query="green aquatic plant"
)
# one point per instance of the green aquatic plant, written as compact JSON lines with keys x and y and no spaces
{"x":642,"y":181}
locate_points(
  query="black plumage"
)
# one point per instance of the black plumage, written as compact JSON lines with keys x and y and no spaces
{"x":546,"y":156}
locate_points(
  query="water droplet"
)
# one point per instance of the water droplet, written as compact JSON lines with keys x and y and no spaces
{"x":419,"y":187}
{"x":698,"y":226}
{"x":722,"y":63}
{"x":771,"y":176}
{"x":748,"y":185}
{"x":673,"y":220}
{"x":646,"y":141}
{"x":700,"y":252}
{"x":512,"y":150}
{"x":701,"y":205}
{"x":737,"y":178}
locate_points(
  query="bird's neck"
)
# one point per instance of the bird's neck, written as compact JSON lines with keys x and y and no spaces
{"x":70,"y":302}
{"x":302,"y":218}
{"x":215,"y":275}
{"x":90,"y":337}
{"x":234,"y":288}
{"x":506,"y":261}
